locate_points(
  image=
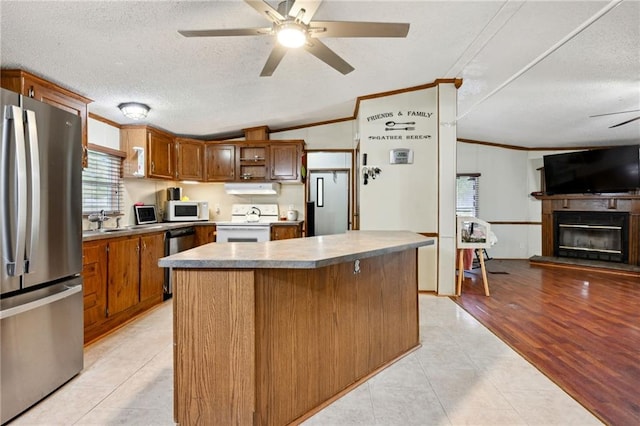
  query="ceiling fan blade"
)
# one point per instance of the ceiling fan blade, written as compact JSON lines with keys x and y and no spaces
{"x":309,"y":6}
{"x":274,"y":59}
{"x":614,"y":113}
{"x":625,"y":122}
{"x":358,"y":29}
{"x":322,"y":52}
{"x":267,"y":11}
{"x":228,"y":32}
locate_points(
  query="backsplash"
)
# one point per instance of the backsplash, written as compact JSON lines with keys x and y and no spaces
{"x":150,"y":191}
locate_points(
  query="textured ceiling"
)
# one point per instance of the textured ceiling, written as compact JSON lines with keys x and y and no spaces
{"x":119,"y":51}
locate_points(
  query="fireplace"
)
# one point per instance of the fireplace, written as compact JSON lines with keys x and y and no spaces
{"x":595,"y":227}
{"x":591,"y":235}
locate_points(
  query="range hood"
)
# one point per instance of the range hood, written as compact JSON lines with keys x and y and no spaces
{"x":264,"y":188}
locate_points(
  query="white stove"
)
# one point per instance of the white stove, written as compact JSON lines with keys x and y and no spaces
{"x":249,"y":223}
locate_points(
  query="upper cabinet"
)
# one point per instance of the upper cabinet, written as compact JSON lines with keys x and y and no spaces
{"x":284,"y":161}
{"x":220,"y":162}
{"x":150,"y":152}
{"x":133,"y":141}
{"x":42,"y":90}
{"x":252,"y":162}
{"x":161,"y":155}
{"x":257,"y":161}
{"x":190,"y":159}
{"x":157,"y":154}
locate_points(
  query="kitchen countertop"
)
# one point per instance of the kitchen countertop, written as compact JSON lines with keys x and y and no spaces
{"x":138,"y":229}
{"x":92,"y":235}
{"x":297,"y":253}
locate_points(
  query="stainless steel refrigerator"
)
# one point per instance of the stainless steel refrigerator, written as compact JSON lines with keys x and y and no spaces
{"x":41,"y":313}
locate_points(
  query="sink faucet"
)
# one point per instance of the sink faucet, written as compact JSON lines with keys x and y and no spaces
{"x":118,"y":222}
{"x":99,"y":218}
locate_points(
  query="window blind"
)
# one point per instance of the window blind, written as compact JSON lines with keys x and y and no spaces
{"x":467,"y":192}
{"x":102,"y":186}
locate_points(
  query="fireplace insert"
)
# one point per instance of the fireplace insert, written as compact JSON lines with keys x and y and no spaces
{"x":592,"y":235}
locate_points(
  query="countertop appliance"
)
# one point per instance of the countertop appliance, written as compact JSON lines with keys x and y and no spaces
{"x":249,"y":223}
{"x":145,"y":214}
{"x":186,"y":211}
{"x":174,"y":193}
{"x":176,"y":240}
{"x":41,"y":306}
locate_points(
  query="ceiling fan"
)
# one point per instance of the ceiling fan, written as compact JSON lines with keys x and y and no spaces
{"x":293,"y":27}
{"x":620,"y":112}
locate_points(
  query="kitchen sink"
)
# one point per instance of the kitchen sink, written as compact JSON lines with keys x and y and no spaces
{"x":144,"y":227}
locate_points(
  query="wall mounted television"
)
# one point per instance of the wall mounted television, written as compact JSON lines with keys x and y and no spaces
{"x":597,"y":171}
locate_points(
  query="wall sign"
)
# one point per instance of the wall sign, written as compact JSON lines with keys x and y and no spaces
{"x":403,"y":125}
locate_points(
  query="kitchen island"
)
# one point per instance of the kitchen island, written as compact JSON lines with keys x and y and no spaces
{"x":265,"y":333}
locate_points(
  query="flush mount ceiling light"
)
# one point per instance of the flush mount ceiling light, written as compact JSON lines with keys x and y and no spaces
{"x":291,"y":34}
{"x":134,"y":110}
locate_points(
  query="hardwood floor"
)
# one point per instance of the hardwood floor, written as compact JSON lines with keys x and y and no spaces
{"x":580,"y":328}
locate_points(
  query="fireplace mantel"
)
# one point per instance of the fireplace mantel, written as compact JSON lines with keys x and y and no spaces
{"x":625,"y":203}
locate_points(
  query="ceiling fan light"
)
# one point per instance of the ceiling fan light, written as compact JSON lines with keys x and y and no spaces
{"x":292,"y":35}
{"x":134,"y":110}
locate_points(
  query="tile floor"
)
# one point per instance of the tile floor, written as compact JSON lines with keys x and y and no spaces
{"x":462,"y":374}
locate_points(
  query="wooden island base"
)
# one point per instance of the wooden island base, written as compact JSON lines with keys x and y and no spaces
{"x":266,"y":346}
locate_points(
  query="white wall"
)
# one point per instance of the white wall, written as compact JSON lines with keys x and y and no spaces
{"x":508,"y":177}
{"x":328,"y":136}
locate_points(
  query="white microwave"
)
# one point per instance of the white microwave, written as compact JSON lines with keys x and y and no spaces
{"x":186,"y":211}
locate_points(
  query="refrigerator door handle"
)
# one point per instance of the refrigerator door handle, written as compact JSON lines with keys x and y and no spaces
{"x":68,"y":291}
{"x":14,"y":188}
{"x":33,"y":208}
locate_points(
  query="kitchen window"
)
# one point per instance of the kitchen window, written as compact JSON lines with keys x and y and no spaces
{"x":102,"y":185}
{"x":467,"y":194}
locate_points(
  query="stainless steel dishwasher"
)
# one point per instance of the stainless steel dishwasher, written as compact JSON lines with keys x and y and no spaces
{"x":177,"y":240}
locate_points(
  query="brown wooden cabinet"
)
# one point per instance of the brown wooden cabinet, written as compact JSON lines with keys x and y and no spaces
{"x":205,"y":234}
{"x":252,"y":161}
{"x":269,"y":160}
{"x":151,"y":275}
{"x":284,"y":232}
{"x":94,"y":276}
{"x":132,"y":137}
{"x":161,"y":153}
{"x":220,"y":162}
{"x":35,"y":87}
{"x":123,"y":282}
{"x":189,"y":159}
{"x":284,"y":161}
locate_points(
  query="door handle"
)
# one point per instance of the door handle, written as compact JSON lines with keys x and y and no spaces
{"x":33,"y":182}
{"x":13,"y":185}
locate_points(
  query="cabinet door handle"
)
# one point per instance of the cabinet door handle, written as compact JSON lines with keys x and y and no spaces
{"x":153,"y":166}
{"x":32,"y":92}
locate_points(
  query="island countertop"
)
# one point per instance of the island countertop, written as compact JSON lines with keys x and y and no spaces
{"x":297,"y":253}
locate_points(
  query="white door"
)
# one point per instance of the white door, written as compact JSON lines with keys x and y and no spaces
{"x":330,"y":193}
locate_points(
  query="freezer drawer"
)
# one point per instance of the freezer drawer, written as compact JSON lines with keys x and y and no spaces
{"x":41,"y":344}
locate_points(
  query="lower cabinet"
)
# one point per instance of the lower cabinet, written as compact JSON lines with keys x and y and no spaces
{"x":94,"y":274}
{"x":205,"y":234}
{"x":284,"y":232}
{"x":121,"y":280}
{"x":124,"y":275}
{"x":151,"y":275}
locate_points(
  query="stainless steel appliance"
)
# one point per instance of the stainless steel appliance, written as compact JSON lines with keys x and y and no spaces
{"x":249,"y":223}
{"x":176,"y":240}
{"x":41,"y":312}
{"x":186,"y":211}
{"x":174,"y":193}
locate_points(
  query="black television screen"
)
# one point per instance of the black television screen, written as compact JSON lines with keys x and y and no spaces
{"x":607,"y":170}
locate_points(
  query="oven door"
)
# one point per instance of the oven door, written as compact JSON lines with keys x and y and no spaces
{"x":243,"y":233}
